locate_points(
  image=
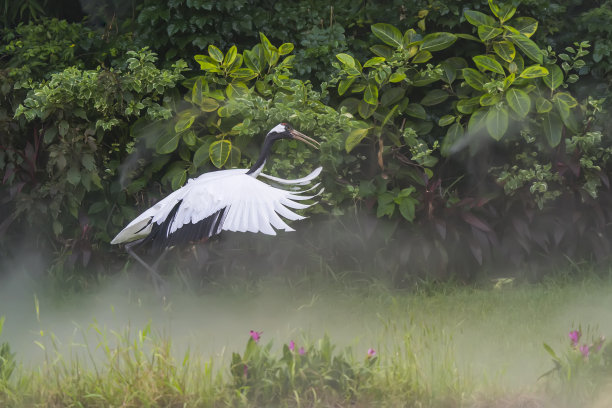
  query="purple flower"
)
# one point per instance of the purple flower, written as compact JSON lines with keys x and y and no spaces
{"x":371,"y":353}
{"x":574,"y":336}
{"x":292,"y":345}
{"x":255,"y":335}
{"x":584,"y":349}
{"x":302,"y":351}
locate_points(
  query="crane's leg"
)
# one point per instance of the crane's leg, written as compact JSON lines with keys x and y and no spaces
{"x":155,"y":277}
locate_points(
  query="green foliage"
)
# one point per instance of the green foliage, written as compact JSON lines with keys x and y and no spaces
{"x":581,"y":370}
{"x":260,"y":377}
{"x":7,"y":359}
{"x":65,"y":175}
{"x":440,"y":114}
{"x":239,"y":97}
{"x":35,"y":50}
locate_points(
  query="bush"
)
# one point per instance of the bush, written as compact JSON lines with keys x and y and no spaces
{"x":64,"y":174}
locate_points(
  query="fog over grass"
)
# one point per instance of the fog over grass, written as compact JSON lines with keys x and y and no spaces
{"x":493,"y":336}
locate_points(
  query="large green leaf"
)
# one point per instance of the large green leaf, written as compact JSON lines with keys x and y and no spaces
{"x":478,"y":120}
{"x":285,"y":48}
{"x":178,"y":179}
{"x":371,"y":94}
{"x":73,"y":175}
{"x":344,"y":85}
{"x":244,"y":74}
{"x":346,"y":60}
{"x":208,"y":105}
{"x":477,"y":18}
{"x":534,"y":71}
{"x":519,"y":101}
{"x":372,"y":62}
{"x":389,"y":116}
{"x":553,"y":128}
{"x":486,"y":32}
{"x":503,"y":11}
{"x":486,"y":63}
{"x":63,"y":128}
{"x":497,"y":122}
{"x":392,"y":95}
{"x":468,"y":106}
{"x":446,"y":120}
{"x":219,"y":152}
{"x":254,"y":59}
{"x":397,"y":77}
{"x":505,"y":50}
{"x":382,"y":51}
{"x":453,"y":135}
{"x":434,"y":97}
{"x":416,"y":111}
{"x":564,"y":103}
{"x":490,"y":99}
{"x":234,"y":157}
{"x":554,"y":78}
{"x":167,"y":143}
{"x":530,"y":48}
{"x":450,"y":67}
{"x":365,"y":109}
{"x":412,"y":38}
{"x":201,"y":155}
{"x":236,"y":90}
{"x":215,"y":53}
{"x":355,"y":137}
{"x":474,"y":78}
{"x":438,"y":41}
{"x":525,"y":25}
{"x":566,"y":98}
{"x":422,"y":57}
{"x":388,"y":34}
{"x":543,"y":105}
{"x":230,"y":56}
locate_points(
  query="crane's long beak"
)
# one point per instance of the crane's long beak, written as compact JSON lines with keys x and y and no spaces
{"x":302,"y":137}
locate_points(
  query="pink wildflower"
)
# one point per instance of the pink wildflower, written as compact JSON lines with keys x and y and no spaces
{"x":584,"y":349}
{"x":371,"y":353}
{"x":255,"y":335}
{"x":292,"y":345}
{"x":574,"y":336}
{"x":302,"y":351}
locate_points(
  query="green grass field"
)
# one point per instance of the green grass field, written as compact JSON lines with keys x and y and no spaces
{"x":443,"y":346}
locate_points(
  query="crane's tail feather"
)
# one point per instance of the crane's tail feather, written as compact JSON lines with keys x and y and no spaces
{"x":301,"y":181}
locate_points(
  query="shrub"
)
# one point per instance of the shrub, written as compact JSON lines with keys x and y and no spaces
{"x":63,"y":175}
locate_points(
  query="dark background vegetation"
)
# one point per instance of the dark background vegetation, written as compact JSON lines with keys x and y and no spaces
{"x":104,"y":109}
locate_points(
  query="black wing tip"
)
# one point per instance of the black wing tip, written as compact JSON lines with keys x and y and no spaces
{"x":160,"y":237}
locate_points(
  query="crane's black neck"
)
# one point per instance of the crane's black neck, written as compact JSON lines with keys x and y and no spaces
{"x":263,"y":156}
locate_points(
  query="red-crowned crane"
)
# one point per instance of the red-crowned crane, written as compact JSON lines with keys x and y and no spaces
{"x":223,"y":200}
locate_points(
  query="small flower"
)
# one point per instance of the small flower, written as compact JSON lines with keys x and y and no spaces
{"x":292,"y":345}
{"x":371,"y":353}
{"x":574,"y":336}
{"x":245,"y":370}
{"x":255,"y":335}
{"x":584,"y":349}
{"x":302,"y":351}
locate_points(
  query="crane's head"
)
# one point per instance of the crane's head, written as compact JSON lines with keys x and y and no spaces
{"x":286,"y":131}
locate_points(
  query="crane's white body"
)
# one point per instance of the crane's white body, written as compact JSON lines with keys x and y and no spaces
{"x":229,"y":200}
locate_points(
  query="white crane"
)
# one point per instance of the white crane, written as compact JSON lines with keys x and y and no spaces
{"x":224,"y":200}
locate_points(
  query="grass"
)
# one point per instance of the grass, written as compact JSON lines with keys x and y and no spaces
{"x":446,"y":346}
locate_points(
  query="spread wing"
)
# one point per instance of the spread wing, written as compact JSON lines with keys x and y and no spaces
{"x":227,"y":200}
